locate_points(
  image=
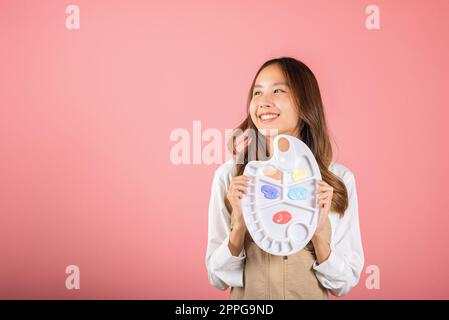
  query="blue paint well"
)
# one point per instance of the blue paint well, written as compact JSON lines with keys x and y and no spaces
{"x":297,"y":193}
{"x":270,"y":192}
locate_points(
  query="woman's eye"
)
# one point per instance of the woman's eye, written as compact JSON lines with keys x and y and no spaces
{"x":256,"y":92}
{"x":280,"y":90}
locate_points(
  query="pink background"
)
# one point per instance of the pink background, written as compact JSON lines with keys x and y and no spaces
{"x":85,"y":120}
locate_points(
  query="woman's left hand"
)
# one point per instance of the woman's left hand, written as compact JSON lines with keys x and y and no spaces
{"x":324,"y":201}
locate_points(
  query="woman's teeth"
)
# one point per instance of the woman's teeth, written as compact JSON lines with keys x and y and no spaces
{"x":269,"y":116}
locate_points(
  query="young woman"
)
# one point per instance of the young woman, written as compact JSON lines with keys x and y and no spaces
{"x":285,"y":97}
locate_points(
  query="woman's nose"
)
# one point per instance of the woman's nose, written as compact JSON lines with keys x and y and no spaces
{"x":265,"y":105}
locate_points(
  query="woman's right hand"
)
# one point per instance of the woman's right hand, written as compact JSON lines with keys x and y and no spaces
{"x":237,"y":189}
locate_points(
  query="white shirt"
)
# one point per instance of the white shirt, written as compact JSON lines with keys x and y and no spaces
{"x":339,"y":273}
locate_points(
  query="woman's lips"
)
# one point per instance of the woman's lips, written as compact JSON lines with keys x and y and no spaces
{"x":268,"y":117}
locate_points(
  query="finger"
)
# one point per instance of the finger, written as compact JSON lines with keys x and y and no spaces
{"x":323,"y":202}
{"x":241,"y":178}
{"x":323,"y":196}
{"x":322,"y":183}
{"x":238,"y":188}
{"x":324,"y":189}
{"x":240,"y":183}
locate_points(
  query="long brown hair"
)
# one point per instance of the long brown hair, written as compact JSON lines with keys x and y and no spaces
{"x":311,"y":125}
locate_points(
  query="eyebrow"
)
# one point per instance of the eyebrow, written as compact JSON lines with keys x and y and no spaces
{"x":274,"y":84}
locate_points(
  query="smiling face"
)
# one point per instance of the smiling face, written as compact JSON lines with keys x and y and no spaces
{"x":272,"y":106}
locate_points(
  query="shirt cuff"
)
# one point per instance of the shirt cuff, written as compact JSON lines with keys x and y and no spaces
{"x":227,"y":267}
{"x":332,"y":268}
{"x":225,"y":259}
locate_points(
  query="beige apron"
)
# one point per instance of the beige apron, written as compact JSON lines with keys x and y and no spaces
{"x":270,"y":277}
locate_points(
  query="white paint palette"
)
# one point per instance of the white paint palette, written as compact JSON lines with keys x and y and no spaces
{"x":280,"y":208}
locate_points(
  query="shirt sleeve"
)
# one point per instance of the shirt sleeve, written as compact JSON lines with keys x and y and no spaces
{"x":224,"y":270}
{"x":341,"y":271}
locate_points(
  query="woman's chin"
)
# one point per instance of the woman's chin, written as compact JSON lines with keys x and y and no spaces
{"x":269,"y":131}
